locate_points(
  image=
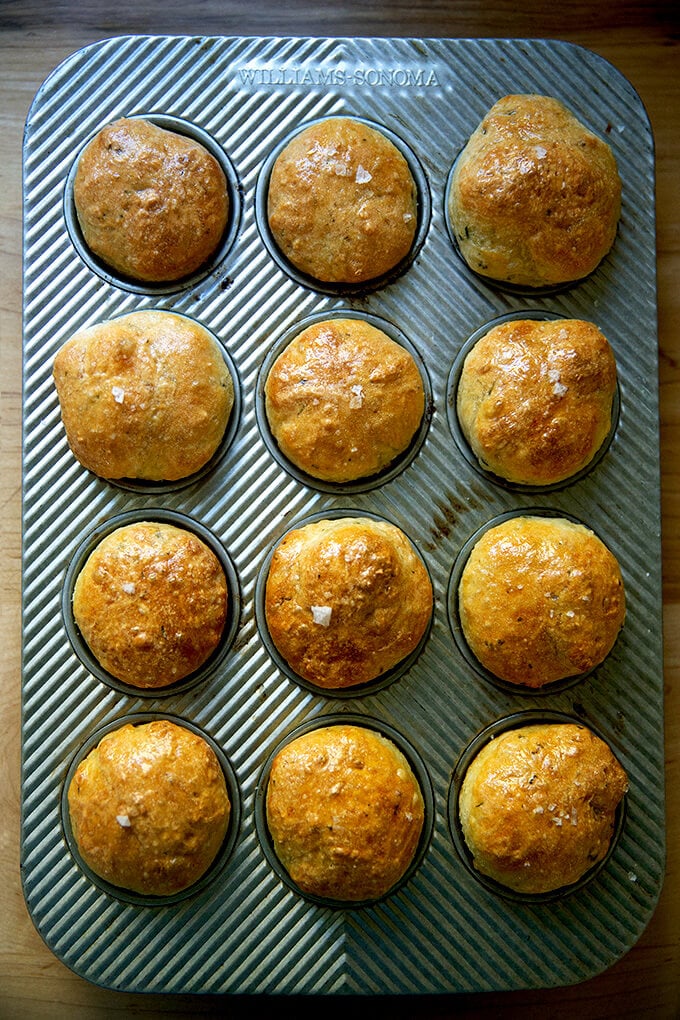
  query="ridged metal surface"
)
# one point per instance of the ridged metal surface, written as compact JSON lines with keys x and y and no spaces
{"x":248,"y":932}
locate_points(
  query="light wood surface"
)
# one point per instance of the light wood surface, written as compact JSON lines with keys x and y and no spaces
{"x":642,"y":42}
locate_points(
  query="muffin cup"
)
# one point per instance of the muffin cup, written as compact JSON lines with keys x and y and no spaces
{"x":494,"y":729}
{"x":556,"y":686}
{"x":459,"y":436}
{"x":419,"y":770}
{"x":81,"y":647}
{"x":357,"y":690}
{"x":400,"y":462}
{"x":150,"y":487}
{"x":220,"y":861}
{"x":109,"y":275}
{"x":423,"y":212}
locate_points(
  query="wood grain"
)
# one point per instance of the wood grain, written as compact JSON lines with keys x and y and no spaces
{"x":642,"y":42}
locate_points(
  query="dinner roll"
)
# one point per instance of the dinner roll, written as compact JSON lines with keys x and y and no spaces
{"x":343,"y":400}
{"x":151,"y":203}
{"x":346,"y":600}
{"x":149,"y":807}
{"x":145,"y":396}
{"x":535,"y":197}
{"x":540,"y":599}
{"x":342,"y":202}
{"x":535,"y":398}
{"x":151,"y":603}
{"x":538,"y":804}
{"x":345,"y":812}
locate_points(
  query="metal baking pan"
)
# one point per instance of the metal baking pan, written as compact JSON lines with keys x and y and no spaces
{"x":246,"y":930}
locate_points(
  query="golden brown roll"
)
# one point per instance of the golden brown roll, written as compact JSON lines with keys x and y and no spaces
{"x":540,"y":599}
{"x":151,"y":603}
{"x":343,"y":400}
{"x":342,"y":203}
{"x":346,"y":600}
{"x":149,"y":808}
{"x":535,"y":196}
{"x":151,"y":203}
{"x":535,"y":398}
{"x":146,"y":396}
{"x":345,"y":812}
{"x":538,"y":805}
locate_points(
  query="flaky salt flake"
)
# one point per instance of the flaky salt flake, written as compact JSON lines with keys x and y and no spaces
{"x":362,"y":175}
{"x":118,"y":394}
{"x":322,"y":615}
{"x":559,"y":389}
{"x":357,"y":398}
{"x":128,"y":587}
{"x":124,"y":821}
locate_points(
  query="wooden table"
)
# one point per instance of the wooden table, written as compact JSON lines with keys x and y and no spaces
{"x":642,"y":42}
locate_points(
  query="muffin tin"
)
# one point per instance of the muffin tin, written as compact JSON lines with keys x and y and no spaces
{"x":245,"y":930}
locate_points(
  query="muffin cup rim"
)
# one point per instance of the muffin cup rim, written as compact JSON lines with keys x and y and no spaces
{"x":423,"y":211}
{"x":79,"y":557}
{"x":504,"y":724}
{"x":399,"y":463}
{"x":418,"y":767}
{"x":453,"y":613}
{"x":464,"y":446}
{"x":189,"y":129}
{"x":219,"y":862}
{"x":370,"y":687}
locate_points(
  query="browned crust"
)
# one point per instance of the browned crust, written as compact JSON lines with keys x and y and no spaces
{"x":540,"y":599}
{"x":368,"y":579}
{"x":151,"y":203}
{"x":345,"y":812}
{"x":343,"y":400}
{"x":146,"y":396}
{"x":535,"y":196}
{"x":149,"y":808}
{"x":535,"y":398}
{"x":151,"y":603}
{"x":538,"y":804}
{"x":342,"y":202}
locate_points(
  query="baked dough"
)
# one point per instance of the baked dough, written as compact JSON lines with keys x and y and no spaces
{"x":535,"y":196}
{"x":342,"y":202}
{"x":541,"y":599}
{"x":345,"y":812}
{"x":152,"y":204}
{"x":538,"y":805}
{"x":535,"y":398}
{"x":144,"y":396}
{"x":151,"y":603}
{"x":343,"y":400}
{"x":346,"y":600}
{"x":149,"y":808}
